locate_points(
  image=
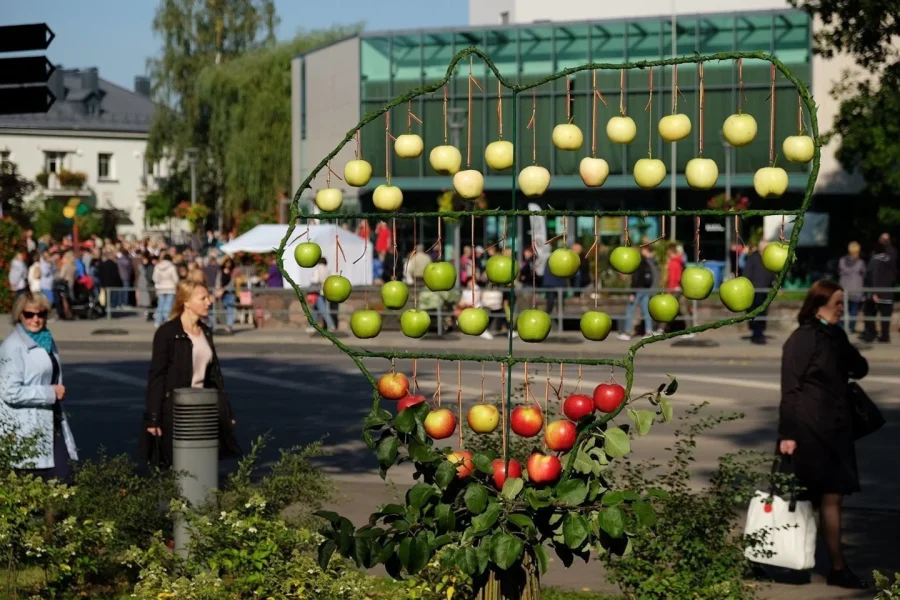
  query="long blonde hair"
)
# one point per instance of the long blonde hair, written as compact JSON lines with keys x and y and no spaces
{"x":183,"y":294}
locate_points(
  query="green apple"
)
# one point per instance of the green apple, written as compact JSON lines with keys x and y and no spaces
{"x":414,"y":323}
{"x":595,"y":325}
{"x":336,"y":288}
{"x":737,"y":294}
{"x":440,"y":276}
{"x":770,"y":182}
{"x":775,"y":255}
{"x":701,"y":173}
{"x":357,"y":172}
{"x":649,"y":172}
{"x":307,"y":254}
{"x":365,"y":324}
{"x":739,"y":130}
{"x":798,"y":148}
{"x":394,"y":295}
{"x":501,"y":270}
{"x":533,"y":325}
{"x":564,"y":262}
{"x":697,"y":283}
{"x":329,"y":199}
{"x":663,"y":308}
{"x":473,"y":321}
{"x":625,"y":259}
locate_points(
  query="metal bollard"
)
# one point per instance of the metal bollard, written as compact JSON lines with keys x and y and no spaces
{"x":195,"y":450}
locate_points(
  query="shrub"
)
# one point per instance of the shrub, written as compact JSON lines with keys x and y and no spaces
{"x":10,"y":239}
{"x":887,"y":590}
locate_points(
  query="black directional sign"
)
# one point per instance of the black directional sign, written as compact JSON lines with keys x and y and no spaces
{"x":19,"y":75}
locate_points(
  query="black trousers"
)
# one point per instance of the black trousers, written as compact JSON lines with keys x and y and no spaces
{"x":875,"y":309}
{"x":758,"y":326}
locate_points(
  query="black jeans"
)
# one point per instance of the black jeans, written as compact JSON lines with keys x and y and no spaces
{"x":884,"y":310}
{"x":758,"y":325}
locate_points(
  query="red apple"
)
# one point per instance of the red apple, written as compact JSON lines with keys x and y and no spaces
{"x":408,"y":401}
{"x":393,"y":385}
{"x":543,"y":468}
{"x":577,"y":406}
{"x":500,"y":474}
{"x":440,"y":424}
{"x":608,"y":397}
{"x":526,"y":421}
{"x":463,"y":458}
{"x":560,"y":435}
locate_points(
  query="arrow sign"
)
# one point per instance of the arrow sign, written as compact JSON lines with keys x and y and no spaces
{"x":28,"y":69}
{"x":21,"y":38}
{"x":15,"y":101}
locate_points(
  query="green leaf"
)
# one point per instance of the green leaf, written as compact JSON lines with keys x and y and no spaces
{"x":645,"y":514}
{"x":613,"y":498}
{"x":523,"y":522}
{"x":405,"y":421}
{"x":386,"y":452}
{"x":404,"y":550}
{"x":483,"y":463}
{"x":672,"y":387}
{"x":573,"y":492}
{"x":486,"y":520}
{"x":594,"y":489}
{"x":630,"y":495}
{"x":419,"y":555}
{"x":665,"y":406}
{"x":393,"y":509}
{"x":643,"y":420}
{"x":328,"y":515}
{"x":446,"y":518}
{"x":370,"y":532}
{"x":659,"y":493}
{"x":445,"y":474}
{"x":362,"y":551}
{"x":612,"y":521}
{"x":467,"y":560}
{"x":511,"y":487}
{"x":536,"y":500}
{"x":483,"y":554}
{"x":440,"y":541}
{"x":575,"y":530}
{"x":616,"y":443}
{"x":326,"y":549}
{"x":377,"y":418}
{"x":506,"y":550}
{"x":419,"y":495}
{"x":346,"y":536}
{"x":421,"y":453}
{"x":543,"y":560}
{"x":476,"y":498}
{"x":583,"y":462}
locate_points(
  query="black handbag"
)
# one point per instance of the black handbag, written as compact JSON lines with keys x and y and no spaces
{"x":864,"y":413}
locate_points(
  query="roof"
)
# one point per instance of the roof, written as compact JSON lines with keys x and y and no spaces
{"x":86,"y":102}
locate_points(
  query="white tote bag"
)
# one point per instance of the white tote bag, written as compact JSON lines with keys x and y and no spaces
{"x":790,"y":532}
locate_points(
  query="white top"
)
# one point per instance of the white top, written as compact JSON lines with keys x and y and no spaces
{"x":202,"y":355}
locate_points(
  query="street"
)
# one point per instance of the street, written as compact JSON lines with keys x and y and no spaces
{"x":302,"y":394}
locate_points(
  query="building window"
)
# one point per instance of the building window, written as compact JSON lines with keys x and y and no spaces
{"x":53,"y":161}
{"x":504,"y":17}
{"x":105,"y":166}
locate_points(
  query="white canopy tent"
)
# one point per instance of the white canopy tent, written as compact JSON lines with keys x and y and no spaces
{"x":266,"y":238}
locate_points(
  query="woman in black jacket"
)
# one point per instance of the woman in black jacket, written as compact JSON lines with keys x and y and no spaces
{"x":183,"y":357}
{"x":815,"y":427}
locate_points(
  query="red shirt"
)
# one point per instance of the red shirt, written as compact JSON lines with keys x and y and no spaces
{"x":383,"y":239}
{"x":675,"y":268}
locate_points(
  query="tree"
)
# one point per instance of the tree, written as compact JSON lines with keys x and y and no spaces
{"x":13,"y":190}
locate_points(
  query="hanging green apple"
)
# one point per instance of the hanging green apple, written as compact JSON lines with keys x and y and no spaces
{"x":357,"y":172}
{"x":663,"y":308}
{"x":394,"y":295}
{"x":625,"y":259}
{"x":365,"y":324}
{"x":770,"y":182}
{"x":414,"y":323}
{"x":473,"y":321}
{"x":336,"y":288}
{"x":307,"y":254}
{"x":739,"y":130}
{"x":799,"y":148}
{"x":329,"y":199}
{"x":697,"y":283}
{"x":534,"y":181}
{"x":775,"y":256}
{"x":533,"y":325}
{"x":567,"y":136}
{"x":564,"y":263}
{"x":595,"y":325}
{"x":593,"y":171}
{"x":499,"y":155}
{"x":387,"y":197}
{"x":737,"y":294}
{"x":439,"y":276}
{"x":445,"y":160}
{"x":701,"y":173}
{"x":409,"y":145}
{"x":621,"y":130}
{"x":501,"y":270}
{"x":469,"y":184}
{"x":674,"y":128}
{"x":649,"y":172}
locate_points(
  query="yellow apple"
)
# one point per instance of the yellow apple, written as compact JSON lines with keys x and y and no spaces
{"x":567,"y":136}
{"x":673,"y":128}
{"x":649,"y":172}
{"x":621,"y":130}
{"x":357,"y":172}
{"x":499,"y":155}
{"x":701,"y":173}
{"x":469,"y":183}
{"x":534,"y":181}
{"x":409,"y":145}
{"x":770,"y":182}
{"x":446,"y":160}
{"x":593,"y":171}
{"x":739,"y":130}
{"x":329,"y":199}
{"x":387,"y":197}
{"x":798,"y":148}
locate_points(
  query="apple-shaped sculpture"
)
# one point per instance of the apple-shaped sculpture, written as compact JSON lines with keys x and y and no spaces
{"x":625,"y":259}
{"x":595,"y":325}
{"x":409,"y":145}
{"x":534,"y":181}
{"x":701,"y":173}
{"x":770,"y":182}
{"x":394,"y":295}
{"x":621,"y":130}
{"x":387,"y":197}
{"x":357,"y":172}
{"x":593,"y":171}
{"x":501,"y":270}
{"x":329,"y":199}
{"x":336,"y":288}
{"x":469,"y":184}
{"x":567,"y":136}
{"x":473,"y":321}
{"x":307,"y":254}
{"x":663,"y":308}
{"x":533,"y":325}
{"x":439,"y":276}
{"x":697,"y":283}
{"x":564,"y":263}
{"x":799,"y":148}
{"x":414,"y":323}
{"x":737,"y":294}
{"x":499,"y":155}
{"x":739,"y":130}
{"x":674,"y":128}
{"x":775,"y":255}
{"x":446,"y":160}
{"x":649,"y":172}
{"x":365,"y":324}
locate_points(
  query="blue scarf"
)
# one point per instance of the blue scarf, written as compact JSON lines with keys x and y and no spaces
{"x":42,"y":338}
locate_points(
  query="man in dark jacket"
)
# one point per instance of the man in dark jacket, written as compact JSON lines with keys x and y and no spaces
{"x":646,"y":277}
{"x":108,"y":273}
{"x":882,"y":273}
{"x":762,"y":280}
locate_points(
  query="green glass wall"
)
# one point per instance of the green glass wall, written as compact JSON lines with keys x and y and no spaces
{"x":393,"y":64}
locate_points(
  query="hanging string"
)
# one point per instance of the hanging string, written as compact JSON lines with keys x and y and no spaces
{"x":649,"y":109}
{"x":547,"y":393}
{"x":482,"y":382}
{"x":528,"y":392}
{"x":569,"y":118}
{"x":627,"y":235}
{"x":444,"y":106}
{"x":503,"y":409}
{"x":473,"y":260}
{"x":409,"y":260}
{"x":578,"y":381}
{"x":534,"y":275}
{"x":356,"y":153}
{"x":387,"y":147}
{"x":596,"y":261}
{"x":410,"y":117}
{"x":500,"y":109}
{"x":338,"y":254}
{"x":702,"y":97}
{"x":533,"y":126}
{"x":772,"y":119}
{"x":472,"y":81}
{"x":675,"y":86}
{"x":622,"y":92}
{"x":562,"y":374}
{"x":697,"y":239}
{"x":437,"y":392}
{"x":737,"y":239}
{"x":394,"y":244}
{"x":415,"y":374}
{"x":740,"y":85}
{"x":594,"y":114}
{"x":799,"y":114}
{"x":459,"y":401}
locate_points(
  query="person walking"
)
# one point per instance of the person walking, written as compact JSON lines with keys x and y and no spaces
{"x":320,"y":304}
{"x":882,"y":273}
{"x":48,"y":275}
{"x":183,"y":357}
{"x":31,"y":390}
{"x":165,"y":281}
{"x":762,"y":280}
{"x":18,"y":273}
{"x":126,"y":274}
{"x":108,"y":275}
{"x":646,"y":277}
{"x":852,"y":277}
{"x":226,"y":291}
{"x":815,"y":426}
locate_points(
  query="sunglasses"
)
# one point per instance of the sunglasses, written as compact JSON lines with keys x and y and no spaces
{"x":30,"y":315}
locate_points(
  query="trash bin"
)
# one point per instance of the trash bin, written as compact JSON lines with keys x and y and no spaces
{"x":718,"y":268}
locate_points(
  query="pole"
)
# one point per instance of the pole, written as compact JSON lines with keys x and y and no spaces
{"x":727,"y":199}
{"x":673,"y":190}
{"x":456,"y":120}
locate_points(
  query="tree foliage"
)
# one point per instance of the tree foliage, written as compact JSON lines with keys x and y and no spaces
{"x":13,"y":190}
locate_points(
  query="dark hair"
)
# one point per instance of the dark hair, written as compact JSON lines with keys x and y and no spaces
{"x":818,"y":296}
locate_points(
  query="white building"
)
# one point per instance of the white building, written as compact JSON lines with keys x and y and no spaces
{"x":95,"y":130}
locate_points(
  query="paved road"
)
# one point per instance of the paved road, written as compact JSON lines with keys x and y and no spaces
{"x":304,"y":395}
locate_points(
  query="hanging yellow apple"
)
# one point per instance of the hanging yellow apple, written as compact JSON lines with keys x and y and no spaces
{"x":593,"y":171}
{"x":409,"y":145}
{"x":446,"y":160}
{"x":673,"y":128}
{"x":701,"y":173}
{"x":649,"y":172}
{"x":621,"y":130}
{"x":739,"y":130}
{"x":357,"y":172}
{"x":799,"y":148}
{"x":329,"y":199}
{"x":469,"y":184}
{"x":499,"y":155}
{"x":534,"y":181}
{"x":567,"y":136}
{"x":387,"y":197}
{"x":770,"y":182}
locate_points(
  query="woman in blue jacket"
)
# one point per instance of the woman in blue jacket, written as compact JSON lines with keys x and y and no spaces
{"x":32,"y":391}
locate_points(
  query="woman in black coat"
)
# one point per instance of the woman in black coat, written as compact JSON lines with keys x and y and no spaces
{"x":815,"y":427}
{"x":183,"y":357}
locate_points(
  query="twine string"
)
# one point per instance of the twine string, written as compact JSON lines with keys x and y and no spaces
{"x":472,"y":81}
{"x":387,"y":147}
{"x":675,"y":86}
{"x":437,"y":392}
{"x":503,"y":409}
{"x":473,"y":260}
{"x":459,"y":400}
{"x":772,"y":118}
{"x":649,"y":109}
{"x":622,"y":93}
{"x":547,"y":392}
{"x":569,"y":117}
{"x":482,"y":382}
{"x":409,"y":264}
{"x":799,"y":114}
{"x":534,"y":248}
{"x":499,"y":110}
{"x":627,"y":235}
{"x":697,"y":239}
{"x":444,"y":108}
{"x":580,"y":377}
{"x":594,"y":113}
{"x":533,"y":126}
{"x":394,"y":246}
{"x":415,"y":374}
{"x":356,"y":153}
{"x":702,"y":98}
{"x":740,"y":85}
{"x":596,"y":261}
